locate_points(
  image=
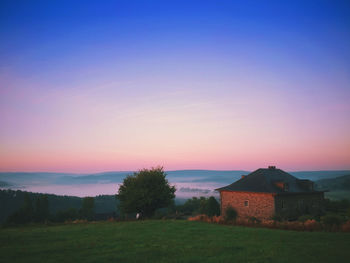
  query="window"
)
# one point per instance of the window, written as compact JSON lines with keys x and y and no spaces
{"x":246,"y":203}
{"x":283,"y":205}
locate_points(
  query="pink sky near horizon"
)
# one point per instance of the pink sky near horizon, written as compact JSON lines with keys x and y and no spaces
{"x":96,"y":131}
{"x":94,"y":87}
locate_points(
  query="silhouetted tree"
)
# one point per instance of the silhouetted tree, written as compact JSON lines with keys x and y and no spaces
{"x":190,"y":207}
{"x":212,"y":207}
{"x":202,"y":205}
{"x":66,"y":215}
{"x":27,"y":209}
{"x":41,"y":213}
{"x":87,"y":210}
{"x":25,"y":214}
{"x":145,"y":191}
{"x":208,"y":206}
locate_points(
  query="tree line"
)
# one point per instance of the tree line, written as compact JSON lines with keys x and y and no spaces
{"x":146,"y":193}
{"x":36,"y":210}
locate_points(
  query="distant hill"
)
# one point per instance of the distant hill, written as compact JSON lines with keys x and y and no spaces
{"x":21,"y":178}
{"x":188,"y":182}
{"x":334,"y":184}
{"x":318,"y":175}
{"x":4,"y":184}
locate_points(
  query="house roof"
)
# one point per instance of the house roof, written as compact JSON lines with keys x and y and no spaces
{"x":266,"y":181}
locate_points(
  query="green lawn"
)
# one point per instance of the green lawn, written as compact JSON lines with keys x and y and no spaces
{"x":168,"y":241}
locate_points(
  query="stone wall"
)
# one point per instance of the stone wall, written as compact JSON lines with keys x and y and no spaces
{"x":248,"y":204}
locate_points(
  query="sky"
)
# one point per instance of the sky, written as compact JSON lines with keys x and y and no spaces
{"x":92,"y":86}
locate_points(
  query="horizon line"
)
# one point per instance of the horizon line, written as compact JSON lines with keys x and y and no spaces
{"x":133,"y":171}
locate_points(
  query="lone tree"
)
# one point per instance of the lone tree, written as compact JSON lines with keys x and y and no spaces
{"x":145,"y":191}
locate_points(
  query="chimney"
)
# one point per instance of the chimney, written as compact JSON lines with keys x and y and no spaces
{"x":272,"y":167}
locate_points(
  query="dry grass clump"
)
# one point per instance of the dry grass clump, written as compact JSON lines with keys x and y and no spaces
{"x":308,"y":225}
{"x":76,"y":221}
{"x":345,"y":227}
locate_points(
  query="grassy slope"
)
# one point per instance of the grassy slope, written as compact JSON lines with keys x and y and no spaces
{"x":168,"y":241}
{"x":338,"y":195}
{"x":339,"y":187}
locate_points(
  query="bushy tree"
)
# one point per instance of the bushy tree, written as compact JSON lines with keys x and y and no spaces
{"x":191,"y":206}
{"x":145,"y":191}
{"x":202,"y":205}
{"x":230,"y":214}
{"x":212,"y":207}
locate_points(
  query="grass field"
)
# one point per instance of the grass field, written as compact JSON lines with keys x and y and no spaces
{"x":168,"y":241}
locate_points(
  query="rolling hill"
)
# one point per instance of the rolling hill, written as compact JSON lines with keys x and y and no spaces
{"x":335,"y":184}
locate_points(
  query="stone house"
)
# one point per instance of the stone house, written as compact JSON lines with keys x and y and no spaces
{"x":265,"y":193}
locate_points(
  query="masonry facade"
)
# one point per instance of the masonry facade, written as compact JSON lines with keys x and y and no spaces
{"x":266,"y":193}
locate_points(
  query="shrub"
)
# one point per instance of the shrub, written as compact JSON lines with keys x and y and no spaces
{"x":191,"y":206}
{"x":160,"y":213}
{"x":217,"y":219}
{"x":204,"y":218}
{"x":346,"y":227}
{"x":254,"y":220}
{"x":230,"y":214}
{"x":308,"y":225}
{"x":212,"y":207}
{"x":277,"y":217}
{"x":312,"y":225}
{"x":337,"y":206}
{"x":304,"y":218}
{"x":269,"y":223}
{"x":332,"y":220}
{"x":69,"y":214}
